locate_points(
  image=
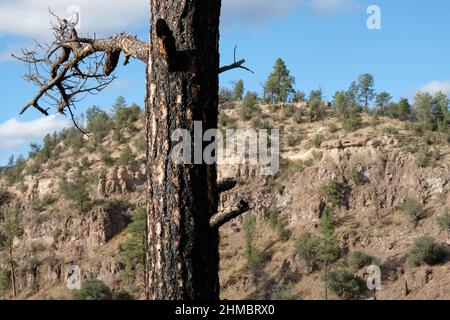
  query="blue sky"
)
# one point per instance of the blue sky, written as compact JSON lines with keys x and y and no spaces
{"x":325,"y":43}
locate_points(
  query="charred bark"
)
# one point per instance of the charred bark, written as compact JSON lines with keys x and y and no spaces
{"x":182,"y":83}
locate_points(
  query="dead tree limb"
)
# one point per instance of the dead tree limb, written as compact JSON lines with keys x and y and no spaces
{"x":235,"y":65}
{"x":72,"y":66}
{"x":228,"y":214}
{"x":226,"y":185}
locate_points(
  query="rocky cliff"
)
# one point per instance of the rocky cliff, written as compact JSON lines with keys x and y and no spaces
{"x":377,"y":165}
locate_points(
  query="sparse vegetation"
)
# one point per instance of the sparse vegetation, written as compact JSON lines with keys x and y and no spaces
{"x":413,"y":209}
{"x":443,"y":221}
{"x":254,"y":256}
{"x":126,"y":157}
{"x":336,"y":193}
{"x":306,"y":248}
{"x":133,"y":249}
{"x":277,"y":223}
{"x":425,"y":251}
{"x":248,"y":106}
{"x":358,"y":260}
{"x":77,"y":192}
{"x":92,"y":289}
{"x":422,"y":157}
{"x":346,"y":285}
{"x":317,"y":140}
{"x":356,"y":176}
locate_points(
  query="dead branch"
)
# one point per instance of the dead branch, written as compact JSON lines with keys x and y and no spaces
{"x":72,"y":66}
{"x":228,"y":214}
{"x":235,"y":65}
{"x":226,"y":185}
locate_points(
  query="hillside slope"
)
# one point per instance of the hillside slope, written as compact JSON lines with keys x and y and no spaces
{"x":377,"y":164}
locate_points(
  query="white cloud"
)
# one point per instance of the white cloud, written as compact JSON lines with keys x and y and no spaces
{"x":17,"y":134}
{"x":436,"y":86}
{"x":31,"y":18}
{"x":259,"y":11}
{"x":333,"y":6}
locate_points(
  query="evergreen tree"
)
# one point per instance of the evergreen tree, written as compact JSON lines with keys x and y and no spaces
{"x":5,"y":281}
{"x":238,"y":91}
{"x":134,"y":248}
{"x":306,"y":248}
{"x":422,"y":105}
{"x":403,"y":109}
{"x":366,"y":91}
{"x":279,"y":84}
{"x":329,"y":249}
{"x":316,"y":107}
{"x":382,"y":101}
{"x":440,"y":111}
{"x":119,"y":104}
{"x":340,"y":105}
{"x":10,"y":224}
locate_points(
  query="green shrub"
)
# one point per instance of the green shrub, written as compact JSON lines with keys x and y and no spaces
{"x":292,"y":140}
{"x":106,"y":159}
{"x":255,"y":257}
{"x":259,"y":123}
{"x":353,"y":123}
{"x":5,"y":195}
{"x":77,"y":192}
{"x":413,"y":209}
{"x":126,"y":157}
{"x":248,"y":106}
{"x":85,"y":163}
{"x":356,"y":177}
{"x":333,"y":128}
{"x":123,"y":295}
{"x":336,"y":193}
{"x":358,"y":260}
{"x":390,"y":131}
{"x":285,"y":293}
{"x":73,"y":139}
{"x":141,"y":143}
{"x":298,"y":116}
{"x":98,"y":123}
{"x":5,"y":280}
{"x":277,"y":224}
{"x":317,"y":140}
{"x":425,"y":251}
{"x":124,"y":117}
{"x":226,"y":120}
{"x":306,"y":248}
{"x":374,"y":121}
{"x":444,"y":221}
{"x":92,"y":289}
{"x":422,"y":157}
{"x":39,"y":206}
{"x":346,"y":285}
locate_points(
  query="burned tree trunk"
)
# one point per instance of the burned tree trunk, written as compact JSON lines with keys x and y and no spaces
{"x":182,"y":83}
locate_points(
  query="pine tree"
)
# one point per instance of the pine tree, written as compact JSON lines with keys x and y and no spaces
{"x":279,"y":84}
{"x":11,"y":229}
{"x":329,"y":249}
{"x":366,"y":91}
{"x":238,"y":91}
{"x":5,"y":281}
{"x":134,"y":248}
{"x":382,"y":101}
